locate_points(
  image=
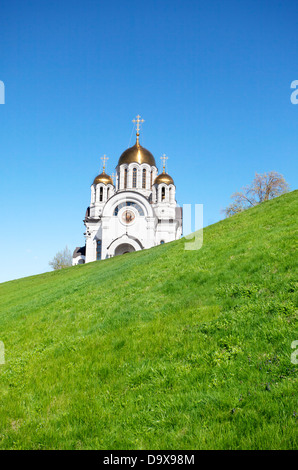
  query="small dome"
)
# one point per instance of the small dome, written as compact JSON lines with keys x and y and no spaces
{"x":103,"y":178}
{"x":137,"y":154}
{"x":164,"y":178}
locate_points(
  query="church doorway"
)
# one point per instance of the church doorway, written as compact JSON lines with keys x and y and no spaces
{"x":124,"y":248}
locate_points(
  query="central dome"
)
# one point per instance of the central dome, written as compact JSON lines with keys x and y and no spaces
{"x":137,"y":154}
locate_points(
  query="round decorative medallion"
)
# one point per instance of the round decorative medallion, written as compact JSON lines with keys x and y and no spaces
{"x":128,"y":216}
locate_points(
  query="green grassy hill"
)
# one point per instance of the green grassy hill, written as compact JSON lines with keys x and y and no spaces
{"x":160,"y":349}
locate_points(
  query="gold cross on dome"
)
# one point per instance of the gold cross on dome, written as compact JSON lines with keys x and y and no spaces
{"x":104,"y":159}
{"x":138,"y":121}
{"x":164,"y":159}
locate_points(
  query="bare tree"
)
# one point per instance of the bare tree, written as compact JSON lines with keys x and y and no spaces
{"x":62,"y":259}
{"x":264,"y":187}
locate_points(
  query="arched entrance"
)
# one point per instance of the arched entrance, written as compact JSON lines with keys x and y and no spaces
{"x":123,"y":245}
{"x":124,"y":248}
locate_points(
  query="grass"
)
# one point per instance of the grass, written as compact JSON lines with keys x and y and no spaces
{"x":159,"y":349}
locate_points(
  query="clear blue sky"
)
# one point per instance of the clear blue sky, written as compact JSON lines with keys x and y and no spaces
{"x":210,"y":78}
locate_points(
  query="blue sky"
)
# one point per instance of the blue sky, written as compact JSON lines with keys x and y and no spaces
{"x":211,"y":79}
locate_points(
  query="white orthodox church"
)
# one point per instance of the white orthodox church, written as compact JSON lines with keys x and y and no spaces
{"x":136,"y":212}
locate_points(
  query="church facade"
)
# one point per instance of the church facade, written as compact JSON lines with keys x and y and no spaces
{"x":136,"y":212}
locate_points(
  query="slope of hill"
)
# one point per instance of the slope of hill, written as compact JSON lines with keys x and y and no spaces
{"x":160,"y":349}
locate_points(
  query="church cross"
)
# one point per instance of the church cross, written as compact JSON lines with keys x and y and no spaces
{"x":164,"y":159}
{"x":138,"y":121}
{"x":104,"y":159}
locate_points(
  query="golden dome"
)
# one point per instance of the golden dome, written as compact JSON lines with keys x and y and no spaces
{"x":164,"y":178}
{"x":103,"y":178}
{"x":137,"y":154}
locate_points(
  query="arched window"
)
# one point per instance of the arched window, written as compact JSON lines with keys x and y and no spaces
{"x":128,"y":204}
{"x":125,"y":178}
{"x":98,"y":250}
{"x":151,"y":177}
{"x":163,"y":193}
{"x":162,"y":242}
{"x":144,"y":179}
{"x":101,"y":194}
{"x":134,"y":178}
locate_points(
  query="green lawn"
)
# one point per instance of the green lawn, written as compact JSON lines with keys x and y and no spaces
{"x":160,"y":349}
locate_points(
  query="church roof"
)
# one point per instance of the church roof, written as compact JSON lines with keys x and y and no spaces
{"x":103,"y":178}
{"x":164,"y":178}
{"x":137,"y":154}
{"x":79,"y":251}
